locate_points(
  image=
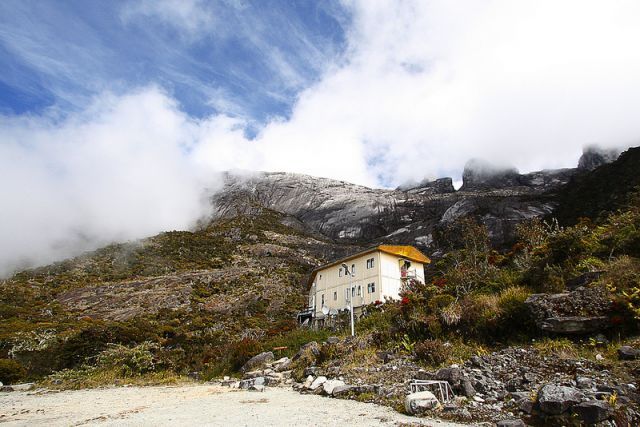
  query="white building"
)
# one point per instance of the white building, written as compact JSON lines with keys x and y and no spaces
{"x":373,"y":275}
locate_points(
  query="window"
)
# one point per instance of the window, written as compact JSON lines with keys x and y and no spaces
{"x":359,"y":290}
{"x":320,"y":278}
{"x":371,"y":288}
{"x":370,"y":263}
{"x":346,"y":294}
{"x":353,"y":291}
{"x":353,"y":269}
{"x":322,"y":299}
{"x":340,"y":272}
{"x":335,"y":296}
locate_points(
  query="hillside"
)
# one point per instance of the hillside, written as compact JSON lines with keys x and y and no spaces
{"x":506,"y":292}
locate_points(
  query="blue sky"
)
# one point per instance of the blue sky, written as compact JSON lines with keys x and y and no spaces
{"x":242,"y":58}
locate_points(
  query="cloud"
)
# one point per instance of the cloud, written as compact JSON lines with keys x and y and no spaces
{"x":119,"y":170}
{"x":190,"y":17}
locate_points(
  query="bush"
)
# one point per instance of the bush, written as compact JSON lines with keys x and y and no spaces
{"x":11,"y":371}
{"x":129,"y":361}
{"x":433,"y":352}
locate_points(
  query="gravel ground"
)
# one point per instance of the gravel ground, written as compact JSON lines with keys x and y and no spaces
{"x":193,"y":405}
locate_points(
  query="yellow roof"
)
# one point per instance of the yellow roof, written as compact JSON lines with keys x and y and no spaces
{"x":405,"y":251}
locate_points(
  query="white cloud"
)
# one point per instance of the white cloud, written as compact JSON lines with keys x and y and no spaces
{"x":191,"y":17}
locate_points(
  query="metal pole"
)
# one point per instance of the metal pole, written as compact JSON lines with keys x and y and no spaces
{"x":353,"y":330}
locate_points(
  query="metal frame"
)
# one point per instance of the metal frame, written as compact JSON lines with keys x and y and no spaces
{"x":443,"y":388}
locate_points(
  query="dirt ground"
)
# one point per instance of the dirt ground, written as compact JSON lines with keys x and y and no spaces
{"x":210,"y":405}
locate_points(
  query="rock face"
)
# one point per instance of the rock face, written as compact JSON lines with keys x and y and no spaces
{"x":592,"y":412}
{"x":594,"y":156}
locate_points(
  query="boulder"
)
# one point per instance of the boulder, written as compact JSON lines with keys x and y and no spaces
{"x":257,"y":387}
{"x":467,"y":388}
{"x":258,"y":361}
{"x":333,"y":340}
{"x":341,"y":390}
{"x":311,"y":347}
{"x":555,"y":399}
{"x":628,"y":353}
{"x":330,"y":385}
{"x":420,"y":402}
{"x":282,"y":364}
{"x":307,"y":383}
{"x":574,"y":324}
{"x":510,"y":423}
{"x":317,"y":383}
{"x":592,"y":411}
{"x":451,"y":375}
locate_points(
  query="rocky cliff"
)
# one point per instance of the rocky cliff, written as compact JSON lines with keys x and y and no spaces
{"x":499,"y":197}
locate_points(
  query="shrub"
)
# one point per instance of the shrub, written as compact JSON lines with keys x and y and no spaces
{"x":513,"y":315}
{"x":433,"y":352}
{"x":129,"y":361}
{"x":11,"y":371}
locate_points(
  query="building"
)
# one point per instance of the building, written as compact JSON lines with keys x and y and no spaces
{"x":371,"y":275}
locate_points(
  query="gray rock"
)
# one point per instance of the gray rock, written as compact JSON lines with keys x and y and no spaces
{"x":330,"y":385}
{"x":258,"y":361}
{"x":592,"y":411}
{"x":510,"y":423}
{"x":467,"y":388}
{"x":333,"y":340}
{"x":584,"y":382}
{"x":312,"y":347}
{"x":310,"y":370}
{"x":594,"y":156}
{"x":451,"y":375}
{"x":555,"y":399}
{"x":6,"y":388}
{"x":575,"y":324}
{"x":317,"y":383}
{"x":257,"y":387}
{"x":341,"y":390}
{"x":420,"y":402}
{"x":628,"y":353}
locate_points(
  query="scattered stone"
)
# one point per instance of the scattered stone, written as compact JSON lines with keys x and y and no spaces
{"x":451,"y":375}
{"x":628,"y":353}
{"x":257,"y":387}
{"x":341,"y":390}
{"x":258,"y":361}
{"x":592,"y":411}
{"x":312,"y":346}
{"x":333,"y":340}
{"x":510,"y":423}
{"x":467,"y":388}
{"x":330,"y":385}
{"x":555,"y":400}
{"x":584,"y":382}
{"x":420,"y":402}
{"x":317,"y":382}
{"x":6,"y":388}
{"x":310,"y":370}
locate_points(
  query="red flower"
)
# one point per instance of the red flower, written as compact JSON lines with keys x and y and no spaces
{"x":404,"y":301}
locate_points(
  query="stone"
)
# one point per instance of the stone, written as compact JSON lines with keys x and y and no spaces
{"x":574,"y":324}
{"x":257,"y":387}
{"x":307,"y":383}
{"x":310,"y":370}
{"x":420,"y":402}
{"x":584,"y":382}
{"x":526,"y":406}
{"x":451,"y":375}
{"x":628,"y":353}
{"x":257,"y":361}
{"x":317,"y":382}
{"x":592,"y":411}
{"x":511,"y":423}
{"x":555,"y":399}
{"x":6,"y":388}
{"x":467,"y":388}
{"x":312,"y":347}
{"x":330,"y":385}
{"x":333,"y":340}
{"x":341,"y":390}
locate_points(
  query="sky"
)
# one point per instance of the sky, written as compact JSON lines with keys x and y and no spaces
{"x":117,"y":117}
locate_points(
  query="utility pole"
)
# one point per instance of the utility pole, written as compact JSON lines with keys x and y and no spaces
{"x":350,"y":294}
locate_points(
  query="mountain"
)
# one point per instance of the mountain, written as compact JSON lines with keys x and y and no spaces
{"x":500,"y":198}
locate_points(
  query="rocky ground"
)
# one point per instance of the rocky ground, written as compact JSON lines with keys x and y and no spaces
{"x":514,"y":386}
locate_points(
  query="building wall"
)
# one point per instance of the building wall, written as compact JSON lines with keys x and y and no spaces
{"x":390,"y":276}
{"x":385,"y":275}
{"x":328,"y":281}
